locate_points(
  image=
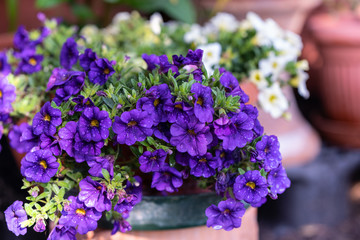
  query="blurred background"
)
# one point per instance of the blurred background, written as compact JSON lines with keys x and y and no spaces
{"x":320,"y":143}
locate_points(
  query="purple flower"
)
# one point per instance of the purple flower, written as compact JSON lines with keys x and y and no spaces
{"x":69,"y":54}
{"x":39,"y":166}
{"x":165,"y":65}
{"x":51,"y":143}
{"x":158,"y":103}
{"x":232,"y":87}
{"x":40,"y":225}
{"x":203,"y":106}
{"x":87,"y":58}
{"x":67,"y":137}
{"x":121,"y":225}
{"x":72,"y":86}
{"x":278,"y":180}
{"x":250,"y":187}
{"x":60,"y":77}
{"x":100,"y":70}
{"x":7,"y":96}
{"x":80,"y":216}
{"x":21,"y":39}
{"x":132,"y":126}
{"x":28,"y":139}
{"x":223,"y":182}
{"x":194,"y":58}
{"x":241,"y":132}
{"x":46,"y":120}
{"x":203,"y":166}
{"x":190,"y":136}
{"x":82,"y":103}
{"x":62,"y":232}
{"x":152,"y":61}
{"x":14,"y":136}
{"x":94,"y":125}
{"x":167,"y":179}
{"x":83,"y":148}
{"x":225,"y":158}
{"x":180,"y":110}
{"x":227,"y":215}
{"x":94,"y":195}
{"x":152,"y":161}
{"x":162,"y":131}
{"x":222,"y":126}
{"x":96,"y":165}
{"x":268,"y":151}
{"x":129,"y":197}
{"x":5,"y":67}
{"x":30,"y":62}
{"x":14,"y":216}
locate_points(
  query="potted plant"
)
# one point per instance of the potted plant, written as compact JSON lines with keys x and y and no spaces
{"x":334,"y":31}
{"x":108,"y":122}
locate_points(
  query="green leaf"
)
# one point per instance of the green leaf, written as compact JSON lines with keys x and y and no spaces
{"x":262,"y":172}
{"x":106,"y":174}
{"x":82,"y":11}
{"x":61,"y":193}
{"x":241,"y":171}
{"x":48,"y":3}
{"x":172,"y":160}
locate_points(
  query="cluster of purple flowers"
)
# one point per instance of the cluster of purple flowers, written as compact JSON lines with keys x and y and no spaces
{"x":25,"y":50}
{"x":190,"y":133}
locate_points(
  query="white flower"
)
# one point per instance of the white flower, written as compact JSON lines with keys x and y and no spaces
{"x":273,"y":101}
{"x":295,"y":40}
{"x":272,"y":66}
{"x":258,"y":79}
{"x":255,"y":21}
{"x":225,"y":21}
{"x":302,"y":78}
{"x":121,"y":16}
{"x":195,"y":35}
{"x":89,"y":32}
{"x":156,"y":22}
{"x":211,"y":56}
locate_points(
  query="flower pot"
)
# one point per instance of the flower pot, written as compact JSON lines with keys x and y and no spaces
{"x":175,"y":218}
{"x":337,"y":39}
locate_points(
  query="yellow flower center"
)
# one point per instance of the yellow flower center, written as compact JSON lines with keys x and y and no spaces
{"x":257,"y":77}
{"x":32,"y":61}
{"x":179,"y":106}
{"x":274,"y":65}
{"x":192,"y":132}
{"x":272,"y":98}
{"x":87,"y":102}
{"x":43,"y":164}
{"x":80,"y":211}
{"x":132,"y":123}
{"x":1,"y":94}
{"x":203,"y":160}
{"x":251,"y":185}
{"x":106,"y":71}
{"x":94,"y":123}
{"x":226,"y":211}
{"x":156,"y":102}
{"x":200,"y":101}
{"x":47,"y":117}
{"x":222,"y":155}
{"x":153,"y":158}
{"x":209,"y":54}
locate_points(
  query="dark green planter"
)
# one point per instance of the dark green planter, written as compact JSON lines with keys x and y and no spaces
{"x":170,"y":212}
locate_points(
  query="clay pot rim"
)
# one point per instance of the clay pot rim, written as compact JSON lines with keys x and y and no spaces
{"x":330,"y":29}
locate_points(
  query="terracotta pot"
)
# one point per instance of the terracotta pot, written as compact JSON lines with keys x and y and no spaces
{"x":337,"y":41}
